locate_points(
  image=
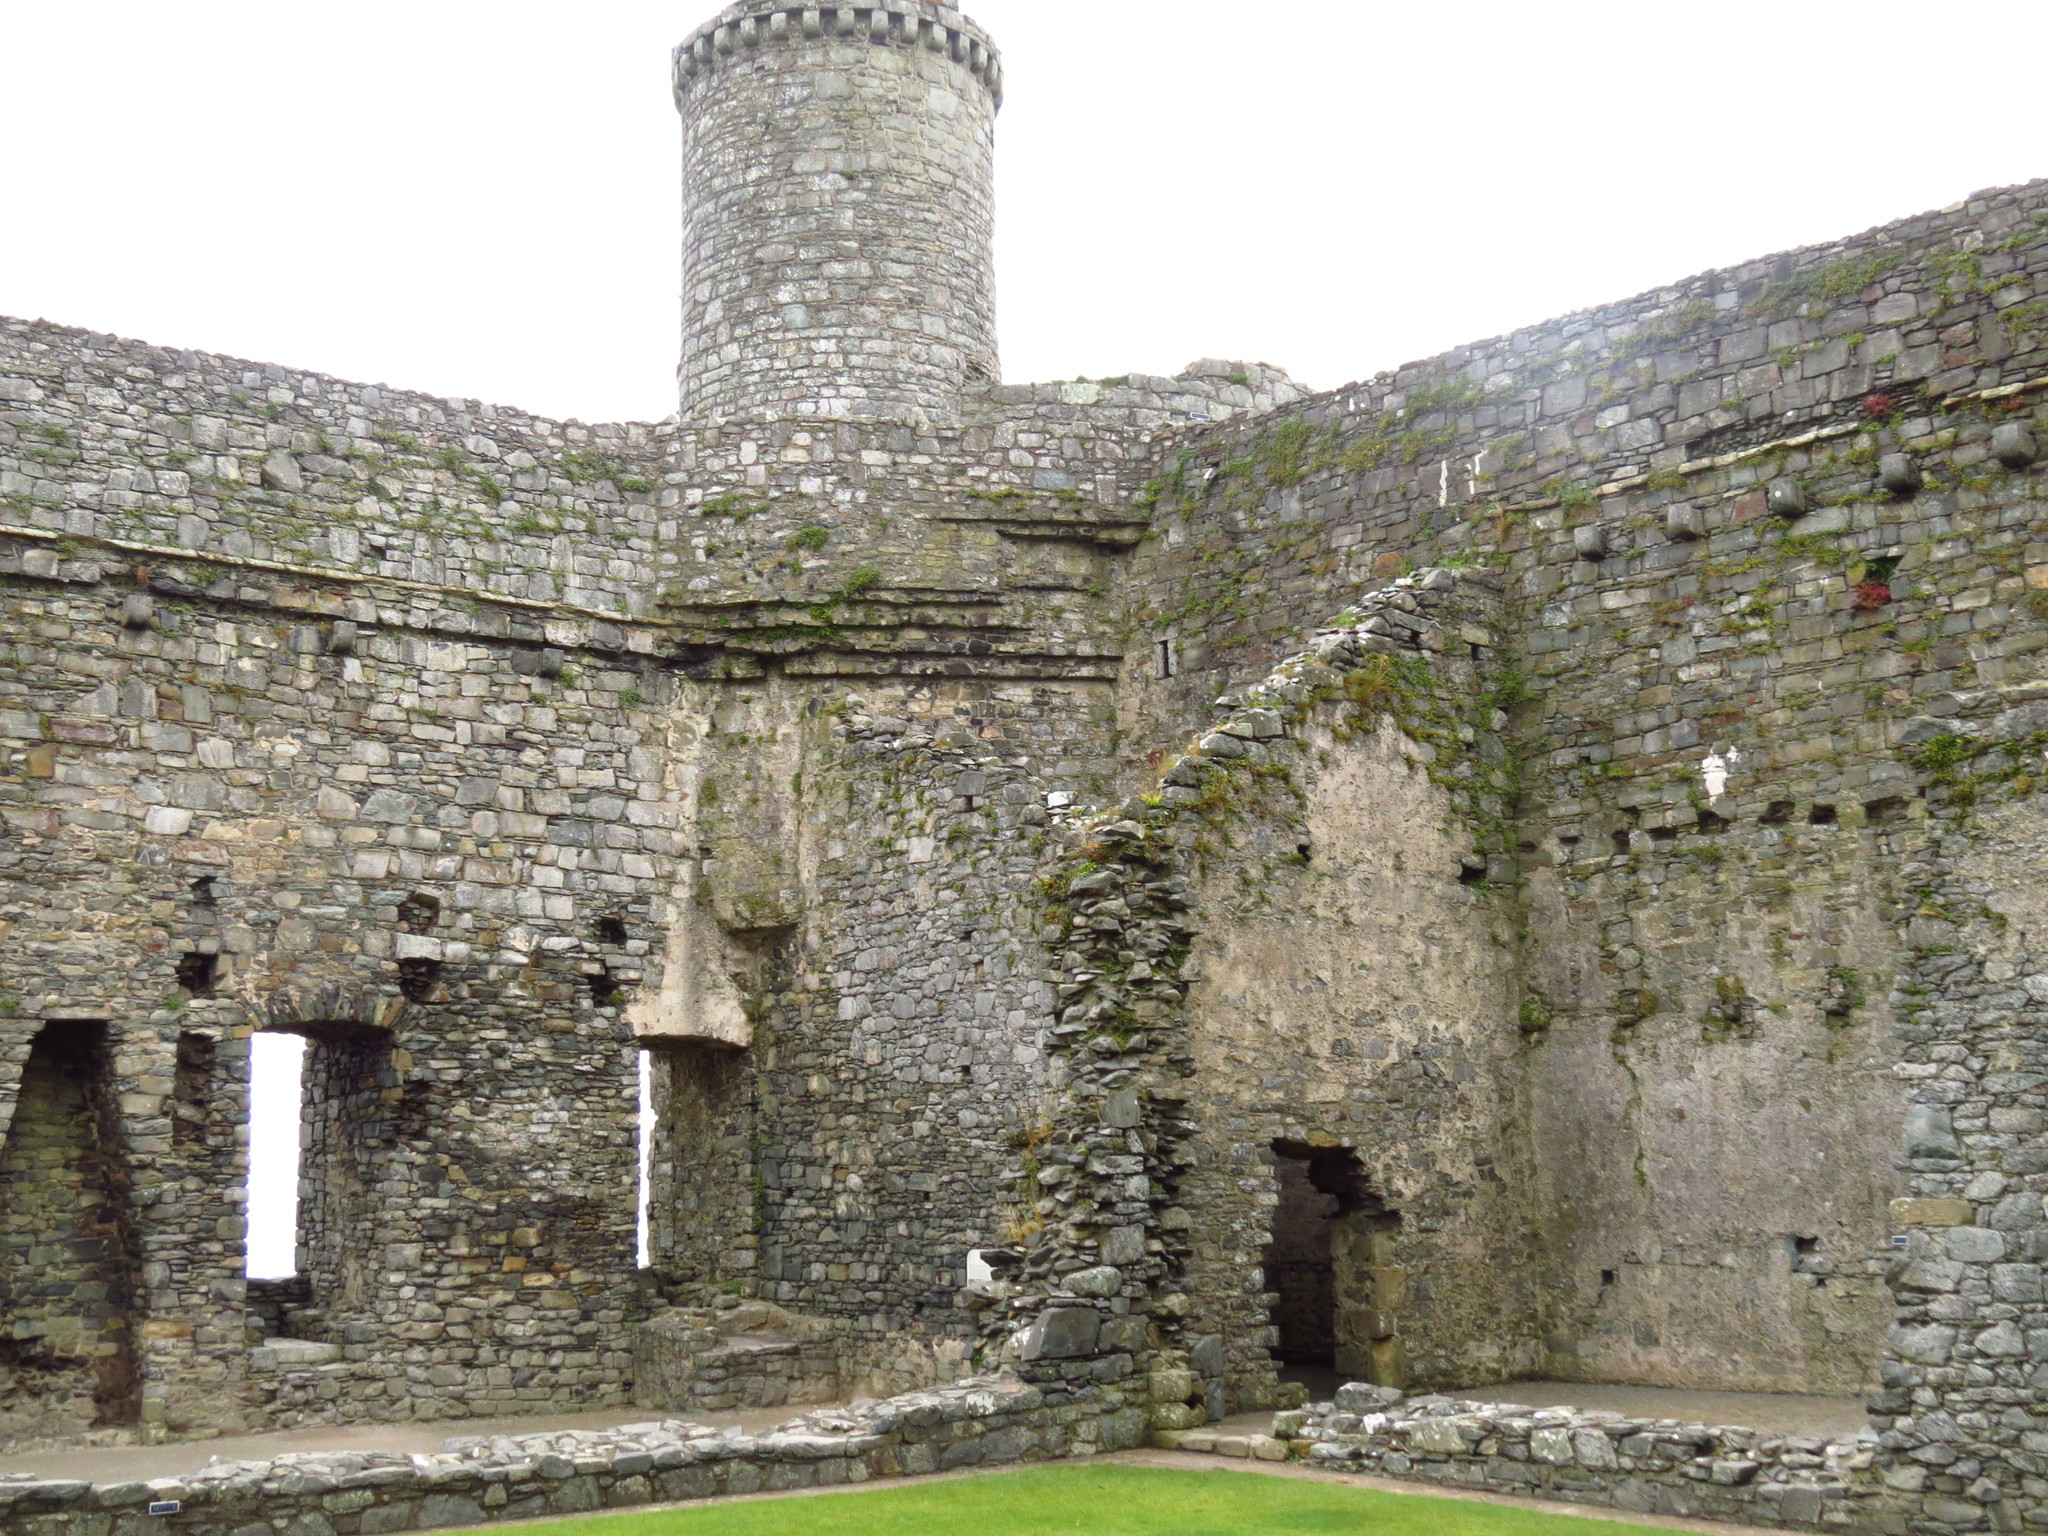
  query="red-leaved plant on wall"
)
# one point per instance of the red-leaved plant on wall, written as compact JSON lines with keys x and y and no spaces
{"x":1871,"y":595}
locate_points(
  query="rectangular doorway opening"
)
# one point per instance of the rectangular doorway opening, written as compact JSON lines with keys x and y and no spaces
{"x":699,"y":1224}
{"x":1332,"y":1267}
{"x":69,"y":1256}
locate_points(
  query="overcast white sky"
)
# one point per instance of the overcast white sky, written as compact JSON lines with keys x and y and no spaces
{"x":481,"y":199}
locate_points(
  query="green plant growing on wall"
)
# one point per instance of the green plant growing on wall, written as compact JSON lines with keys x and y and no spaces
{"x":1473,"y":560}
{"x":734,"y":505}
{"x":1030,"y":1138}
{"x":2023,"y":320}
{"x":1844,"y":997}
{"x":1510,"y":688}
{"x":1664,"y":330}
{"x":1286,"y":452}
{"x":1940,"y":757}
{"x":860,"y":580}
{"x":1570,"y":494}
{"x":392,"y":435}
{"x":584,"y":464}
{"x":1828,"y":284}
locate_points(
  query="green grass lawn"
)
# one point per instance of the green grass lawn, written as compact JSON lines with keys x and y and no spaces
{"x":1097,"y":1500}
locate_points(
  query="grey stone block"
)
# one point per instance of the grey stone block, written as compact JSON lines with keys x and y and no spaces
{"x":448,"y":1509}
{"x":1787,"y":497}
{"x":2015,"y":445}
{"x":1364,"y":1397}
{"x":1062,"y":1333}
{"x":1206,"y":1356}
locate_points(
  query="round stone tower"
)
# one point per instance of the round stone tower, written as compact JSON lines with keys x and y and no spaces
{"x":838,"y":203}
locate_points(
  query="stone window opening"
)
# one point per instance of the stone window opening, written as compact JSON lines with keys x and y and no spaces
{"x":323,"y":1105}
{"x":419,"y":979}
{"x":1334,"y":1285}
{"x":702,"y":1201}
{"x":276,"y":1110}
{"x":419,"y":912}
{"x":203,"y":891}
{"x":1778,"y":812}
{"x":192,"y":1084}
{"x":198,"y":973}
{"x":1821,"y":816}
{"x":1165,"y":659}
{"x":643,"y":1209}
{"x":612,"y":931}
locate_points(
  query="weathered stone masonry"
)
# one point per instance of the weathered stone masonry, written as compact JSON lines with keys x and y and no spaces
{"x":1528,"y":859}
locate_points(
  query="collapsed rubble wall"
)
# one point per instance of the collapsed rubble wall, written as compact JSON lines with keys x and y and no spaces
{"x":1151,"y":1181}
{"x":1355,"y":990}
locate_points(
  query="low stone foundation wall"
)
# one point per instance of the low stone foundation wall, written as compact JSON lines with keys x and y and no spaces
{"x":1647,"y":1466}
{"x":987,"y":1421}
{"x":752,"y":1355}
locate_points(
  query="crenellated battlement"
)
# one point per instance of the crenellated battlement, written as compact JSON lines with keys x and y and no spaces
{"x":894,"y":23}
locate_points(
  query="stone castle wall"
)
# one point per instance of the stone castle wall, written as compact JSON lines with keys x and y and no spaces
{"x":1044,"y":821}
{"x":396,"y":851}
{"x":1762,"y":534}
